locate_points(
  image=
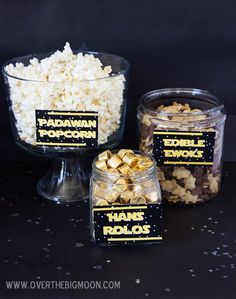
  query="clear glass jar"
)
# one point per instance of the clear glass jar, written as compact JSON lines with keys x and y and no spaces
{"x":60,"y":98}
{"x":189,"y":171}
{"x":112,"y":191}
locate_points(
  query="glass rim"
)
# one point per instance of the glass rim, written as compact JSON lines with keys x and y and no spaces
{"x":196,"y":93}
{"x":47,"y":54}
{"x":139,"y":174}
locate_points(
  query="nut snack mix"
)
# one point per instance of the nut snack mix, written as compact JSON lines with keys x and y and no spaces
{"x":183,"y":129}
{"x":125,"y":198}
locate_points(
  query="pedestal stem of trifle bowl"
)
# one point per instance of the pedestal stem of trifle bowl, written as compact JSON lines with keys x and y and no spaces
{"x":55,"y":95}
{"x":66,"y":181}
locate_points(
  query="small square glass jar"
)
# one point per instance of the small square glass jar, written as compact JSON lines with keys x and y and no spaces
{"x":186,"y":143}
{"x":125,"y":208}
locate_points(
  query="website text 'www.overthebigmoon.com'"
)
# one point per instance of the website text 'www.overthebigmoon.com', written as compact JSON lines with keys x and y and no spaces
{"x":62,"y":285}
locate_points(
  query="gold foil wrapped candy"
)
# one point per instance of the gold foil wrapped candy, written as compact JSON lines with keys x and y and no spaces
{"x":138,"y":200}
{"x":123,"y":152}
{"x":102,"y":164}
{"x":126,"y":196}
{"x":130,"y":159}
{"x":151,"y":197}
{"x":124,"y":171}
{"x":121,"y":185}
{"x":102,"y":202}
{"x":98,"y":191}
{"x":144,"y":163}
{"x":114,"y":161}
{"x":104,"y":155}
{"x":111,"y":197}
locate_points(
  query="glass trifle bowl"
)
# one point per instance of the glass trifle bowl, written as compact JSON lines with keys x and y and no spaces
{"x":66,"y":106}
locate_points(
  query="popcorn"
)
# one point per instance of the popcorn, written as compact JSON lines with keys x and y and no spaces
{"x":65,"y":81}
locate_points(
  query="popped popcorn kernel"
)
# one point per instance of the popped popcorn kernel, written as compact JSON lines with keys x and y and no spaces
{"x":66,"y":81}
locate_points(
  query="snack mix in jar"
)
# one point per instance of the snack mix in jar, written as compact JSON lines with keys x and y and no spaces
{"x":125,"y":189}
{"x":183,"y":129}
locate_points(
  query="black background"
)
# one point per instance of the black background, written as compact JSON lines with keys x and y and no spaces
{"x":181,"y":43}
{"x":170,"y":43}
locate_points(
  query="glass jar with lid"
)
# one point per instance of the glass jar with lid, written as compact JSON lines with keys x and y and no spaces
{"x":125,"y":198}
{"x":183,"y":129}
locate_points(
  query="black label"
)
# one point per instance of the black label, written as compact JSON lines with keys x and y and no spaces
{"x":183,"y":148}
{"x":127,"y":224}
{"x":66,"y":128}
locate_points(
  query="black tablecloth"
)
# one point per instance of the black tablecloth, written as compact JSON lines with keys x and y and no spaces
{"x":41,"y":241}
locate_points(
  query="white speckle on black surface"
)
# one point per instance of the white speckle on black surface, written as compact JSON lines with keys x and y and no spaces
{"x":25,"y":245}
{"x":79,"y":244}
{"x":223,"y":266}
{"x":15,"y":215}
{"x":97,"y":267}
